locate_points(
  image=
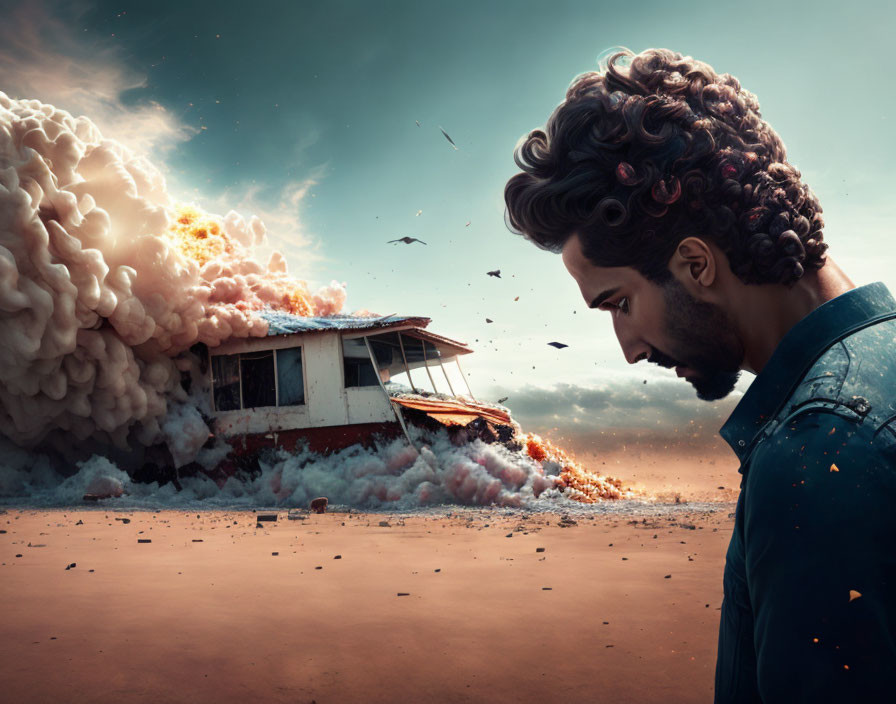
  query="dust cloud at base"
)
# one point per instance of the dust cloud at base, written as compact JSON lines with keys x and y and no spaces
{"x":392,"y":475}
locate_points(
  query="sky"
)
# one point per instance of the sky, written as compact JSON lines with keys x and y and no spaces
{"x":306,"y":114}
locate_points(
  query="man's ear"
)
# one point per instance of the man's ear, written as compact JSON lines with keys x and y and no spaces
{"x":694,"y":264}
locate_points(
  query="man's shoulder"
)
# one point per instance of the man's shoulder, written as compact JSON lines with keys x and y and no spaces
{"x":844,"y":405}
{"x":854,"y":378}
{"x":821,"y":462}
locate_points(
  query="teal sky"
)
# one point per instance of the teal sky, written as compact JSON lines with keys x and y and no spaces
{"x":326,"y":94}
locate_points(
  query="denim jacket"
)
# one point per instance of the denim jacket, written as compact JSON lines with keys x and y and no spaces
{"x":809,"y":608}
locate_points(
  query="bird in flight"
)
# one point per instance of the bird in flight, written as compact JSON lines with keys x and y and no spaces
{"x":406,"y":240}
{"x":496,"y":273}
{"x":448,"y":138}
{"x":558,"y":345}
{"x":503,"y":399}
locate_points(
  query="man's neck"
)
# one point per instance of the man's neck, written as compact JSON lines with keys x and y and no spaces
{"x":767,"y":313}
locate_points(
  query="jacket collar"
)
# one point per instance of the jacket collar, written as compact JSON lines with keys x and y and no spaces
{"x":803,"y":344}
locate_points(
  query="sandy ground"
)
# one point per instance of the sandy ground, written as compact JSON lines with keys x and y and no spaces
{"x":665,"y":473}
{"x":620,"y":607}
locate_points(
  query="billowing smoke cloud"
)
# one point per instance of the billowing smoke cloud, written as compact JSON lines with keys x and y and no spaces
{"x":105,"y":283}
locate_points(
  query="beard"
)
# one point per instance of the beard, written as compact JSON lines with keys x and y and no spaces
{"x":703,"y":339}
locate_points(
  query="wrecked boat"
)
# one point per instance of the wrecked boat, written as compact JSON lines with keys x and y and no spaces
{"x":335,"y":381}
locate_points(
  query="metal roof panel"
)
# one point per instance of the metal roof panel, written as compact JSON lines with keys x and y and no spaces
{"x":280,"y":323}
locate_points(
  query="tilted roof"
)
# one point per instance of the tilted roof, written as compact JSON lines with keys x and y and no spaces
{"x":280,"y":323}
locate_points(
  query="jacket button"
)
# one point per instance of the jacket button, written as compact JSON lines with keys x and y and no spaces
{"x":741,"y":443}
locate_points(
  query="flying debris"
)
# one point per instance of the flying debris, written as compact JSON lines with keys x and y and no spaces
{"x":496,"y":273}
{"x":502,"y":399}
{"x":468,"y":223}
{"x":418,"y":122}
{"x":448,"y":138}
{"x":558,"y":345}
{"x":489,"y":320}
{"x":419,"y":213}
{"x":517,"y":298}
{"x":406,"y":240}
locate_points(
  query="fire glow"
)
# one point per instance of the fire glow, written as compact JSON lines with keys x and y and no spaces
{"x":576,"y":482}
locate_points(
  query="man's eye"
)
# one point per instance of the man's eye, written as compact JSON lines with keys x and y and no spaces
{"x":621,"y":305}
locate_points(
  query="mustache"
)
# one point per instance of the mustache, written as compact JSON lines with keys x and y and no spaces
{"x":661,"y":359}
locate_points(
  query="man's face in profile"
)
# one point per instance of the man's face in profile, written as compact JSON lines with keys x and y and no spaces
{"x":663,"y":324}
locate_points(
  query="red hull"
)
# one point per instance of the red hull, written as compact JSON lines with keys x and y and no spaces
{"x":321,"y":440}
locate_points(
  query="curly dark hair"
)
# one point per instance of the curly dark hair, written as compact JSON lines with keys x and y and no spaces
{"x":640,"y":156}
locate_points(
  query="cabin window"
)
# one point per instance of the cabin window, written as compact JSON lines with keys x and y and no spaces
{"x":257,"y":370}
{"x":413,"y":349}
{"x":226,"y":381}
{"x":359,"y":373}
{"x":290,"y":383}
{"x":356,"y":364}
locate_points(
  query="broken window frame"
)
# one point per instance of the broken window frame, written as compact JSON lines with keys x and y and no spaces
{"x":220,"y":388}
{"x":414,"y":351}
{"x":417,"y":353}
{"x":301,"y":374}
{"x":239,"y":361}
{"x":357,"y":365}
{"x":395,"y":409}
{"x":463,"y":376}
{"x":259,"y":385}
{"x":407,"y":369}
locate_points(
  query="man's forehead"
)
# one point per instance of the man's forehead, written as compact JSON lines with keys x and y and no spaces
{"x":588,"y":275}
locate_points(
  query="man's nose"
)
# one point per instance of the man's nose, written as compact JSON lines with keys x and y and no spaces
{"x":633,"y":349}
{"x":633,"y":356}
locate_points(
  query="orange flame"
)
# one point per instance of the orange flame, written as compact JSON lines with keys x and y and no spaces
{"x":581,"y":484}
{"x":201,"y":238}
{"x":198,"y":236}
{"x":297,"y":301}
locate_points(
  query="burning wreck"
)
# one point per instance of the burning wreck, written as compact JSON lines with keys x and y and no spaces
{"x":328,"y":383}
{"x":335,"y":381}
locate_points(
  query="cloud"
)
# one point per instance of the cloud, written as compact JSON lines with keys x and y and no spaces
{"x":624,"y":407}
{"x":42,"y":57}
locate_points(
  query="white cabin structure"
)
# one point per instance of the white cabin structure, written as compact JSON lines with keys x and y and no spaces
{"x":333,"y":381}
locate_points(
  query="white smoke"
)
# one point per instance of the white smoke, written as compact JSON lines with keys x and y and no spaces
{"x":103,"y":286}
{"x":393,"y":475}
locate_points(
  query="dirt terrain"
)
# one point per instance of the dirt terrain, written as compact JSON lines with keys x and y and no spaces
{"x":614,"y":603}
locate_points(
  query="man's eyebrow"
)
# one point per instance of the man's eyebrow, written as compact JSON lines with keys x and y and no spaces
{"x":601,"y":297}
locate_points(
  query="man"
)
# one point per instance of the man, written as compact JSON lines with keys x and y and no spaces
{"x":675,"y":209}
